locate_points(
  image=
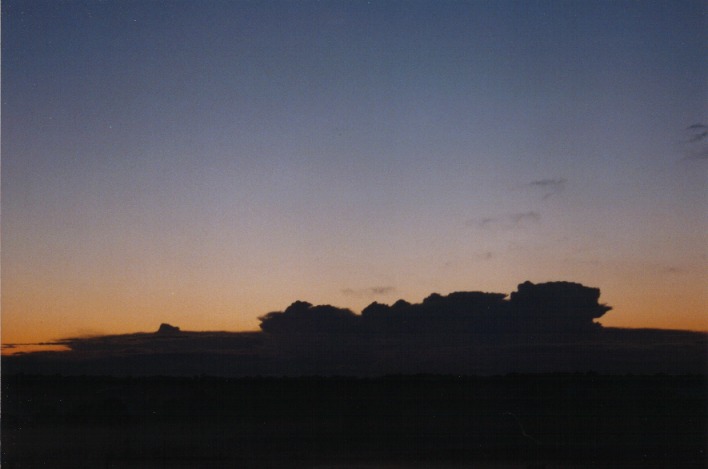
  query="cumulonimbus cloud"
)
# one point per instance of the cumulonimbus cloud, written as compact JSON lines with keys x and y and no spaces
{"x":548,"y":306}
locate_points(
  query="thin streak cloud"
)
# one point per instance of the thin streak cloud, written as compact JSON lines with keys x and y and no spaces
{"x":550,"y":186}
{"x":505,"y":223}
{"x":369,"y":292}
{"x":519,"y":220}
{"x":696,"y":147}
{"x":699,"y":131}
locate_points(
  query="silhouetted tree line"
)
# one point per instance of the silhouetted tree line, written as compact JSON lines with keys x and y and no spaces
{"x":552,"y":306}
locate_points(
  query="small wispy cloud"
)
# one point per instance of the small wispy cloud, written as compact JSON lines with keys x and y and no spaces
{"x":369,"y":292}
{"x":550,"y":186}
{"x":696,"y":142}
{"x":506,"y":222}
{"x":673,"y":270}
{"x":521,"y":219}
{"x":697,"y":131}
{"x":484,"y":222}
{"x":485,"y":256}
{"x":698,"y":155}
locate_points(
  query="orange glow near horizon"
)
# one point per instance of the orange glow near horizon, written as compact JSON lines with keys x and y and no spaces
{"x":50,"y":316}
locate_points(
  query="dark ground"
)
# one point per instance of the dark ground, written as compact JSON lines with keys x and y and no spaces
{"x":553,"y":420}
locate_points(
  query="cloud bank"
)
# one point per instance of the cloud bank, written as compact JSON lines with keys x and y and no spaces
{"x":546,"y":327}
{"x":552,"y":306}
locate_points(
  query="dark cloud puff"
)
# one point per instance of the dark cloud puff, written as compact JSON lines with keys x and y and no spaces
{"x":303,"y":317}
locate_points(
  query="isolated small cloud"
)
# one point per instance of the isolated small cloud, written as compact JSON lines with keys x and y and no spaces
{"x":550,"y":186}
{"x":521,"y":219}
{"x":698,"y":136}
{"x":696,"y":142}
{"x":697,"y":132}
{"x":484,"y":256}
{"x":507,"y":222}
{"x":698,"y":155}
{"x":482,"y":223}
{"x":673,"y":270}
{"x":369,"y":292}
{"x":382,"y":290}
{"x":548,"y":182}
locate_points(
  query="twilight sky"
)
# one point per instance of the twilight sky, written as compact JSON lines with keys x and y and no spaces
{"x":203,"y":163}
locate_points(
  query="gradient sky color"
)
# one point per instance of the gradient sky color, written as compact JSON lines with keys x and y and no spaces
{"x":203,"y":163}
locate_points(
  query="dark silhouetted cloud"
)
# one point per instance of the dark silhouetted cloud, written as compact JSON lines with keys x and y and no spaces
{"x":548,"y":306}
{"x":303,"y":317}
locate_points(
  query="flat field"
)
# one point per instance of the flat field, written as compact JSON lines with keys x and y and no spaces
{"x":554,"y":420}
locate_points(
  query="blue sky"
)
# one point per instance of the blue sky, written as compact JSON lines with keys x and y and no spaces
{"x":204,"y":163}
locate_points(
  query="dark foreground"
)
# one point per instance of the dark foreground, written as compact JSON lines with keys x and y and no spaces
{"x":565,"y":420}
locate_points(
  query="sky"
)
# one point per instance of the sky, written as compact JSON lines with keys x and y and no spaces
{"x":204,"y":163}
